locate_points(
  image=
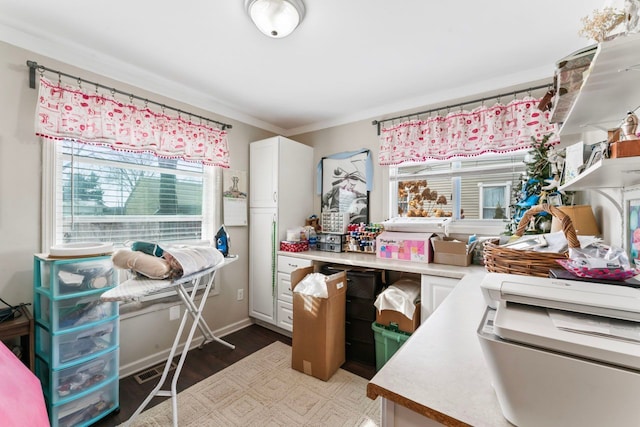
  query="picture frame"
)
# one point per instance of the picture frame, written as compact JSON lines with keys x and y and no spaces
{"x":344,"y":186}
{"x":631,"y":223}
{"x":554,"y":199}
{"x":598,"y":152}
{"x":573,"y":162}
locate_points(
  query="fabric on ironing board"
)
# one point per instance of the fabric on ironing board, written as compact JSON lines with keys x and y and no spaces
{"x":192,"y":259}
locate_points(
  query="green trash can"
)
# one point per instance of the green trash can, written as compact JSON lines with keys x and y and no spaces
{"x":388,"y":341}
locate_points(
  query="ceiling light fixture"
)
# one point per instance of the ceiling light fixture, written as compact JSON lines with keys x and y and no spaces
{"x":276,"y":18}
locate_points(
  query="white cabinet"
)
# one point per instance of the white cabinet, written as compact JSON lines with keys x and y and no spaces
{"x":284,"y":296}
{"x":434,"y":289}
{"x":263,"y":180}
{"x":281,"y":178}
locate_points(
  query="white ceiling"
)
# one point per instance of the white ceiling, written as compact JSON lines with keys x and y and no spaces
{"x":348,"y":60}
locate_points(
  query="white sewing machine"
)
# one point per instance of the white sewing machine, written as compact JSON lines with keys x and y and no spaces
{"x":562,"y":352}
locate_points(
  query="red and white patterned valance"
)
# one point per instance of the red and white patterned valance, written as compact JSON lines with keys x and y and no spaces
{"x":65,"y":112}
{"x":496,"y":129}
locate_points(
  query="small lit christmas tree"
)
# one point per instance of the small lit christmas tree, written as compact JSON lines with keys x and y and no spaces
{"x":541,"y":180}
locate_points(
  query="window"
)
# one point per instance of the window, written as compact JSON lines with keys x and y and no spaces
{"x":99,"y":194}
{"x":495,"y":200}
{"x":477,"y":188}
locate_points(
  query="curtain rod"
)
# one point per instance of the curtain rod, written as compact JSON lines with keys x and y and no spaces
{"x":448,"y":107}
{"x":33,"y":66}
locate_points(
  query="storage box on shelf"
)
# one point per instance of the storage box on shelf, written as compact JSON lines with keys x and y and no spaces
{"x":76,"y":338}
{"x":331,"y":242}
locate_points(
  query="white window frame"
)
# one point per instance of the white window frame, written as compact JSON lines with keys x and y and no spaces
{"x":461,"y":226}
{"x":507,"y":196}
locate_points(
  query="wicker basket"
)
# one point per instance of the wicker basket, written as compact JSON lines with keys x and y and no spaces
{"x":498,"y":259}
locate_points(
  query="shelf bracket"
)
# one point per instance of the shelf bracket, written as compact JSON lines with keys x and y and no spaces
{"x":613,"y":201}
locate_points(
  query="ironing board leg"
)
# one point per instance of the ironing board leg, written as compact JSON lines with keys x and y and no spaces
{"x":198,"y":322}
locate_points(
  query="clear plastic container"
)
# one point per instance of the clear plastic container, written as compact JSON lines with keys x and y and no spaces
{"x":73,"y":312}
{"x":69,"y":382}
{"x":76,"y":345}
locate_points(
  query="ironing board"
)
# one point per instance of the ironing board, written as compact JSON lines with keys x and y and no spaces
{"x":138,"y":287}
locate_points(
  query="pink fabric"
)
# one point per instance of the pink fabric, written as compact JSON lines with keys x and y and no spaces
{"x":496,"y":129}
{"x":65,"y":112}
{"x":21,"y":398}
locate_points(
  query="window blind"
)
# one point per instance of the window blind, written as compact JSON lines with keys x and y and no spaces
{"x":116,"y":196}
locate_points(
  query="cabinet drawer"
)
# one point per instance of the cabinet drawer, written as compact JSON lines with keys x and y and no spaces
{"x":287,"y":264}
{"x":76,"y":345}
{"x":72,"y":312}
{"x":359,"y":330}
{"x":60,"y":384}
{"x":285,"y":316}
{"x":284,"y":288}
{"x":85,"y":409}
{"x":72,"y":276}
{"x":361,"y":308}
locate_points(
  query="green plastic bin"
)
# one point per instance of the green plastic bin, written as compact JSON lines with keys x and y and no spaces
{"x":388,"y":341}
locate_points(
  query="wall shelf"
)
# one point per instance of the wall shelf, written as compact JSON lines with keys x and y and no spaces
{"x":610,"y":89}
{"x":607,"y":173}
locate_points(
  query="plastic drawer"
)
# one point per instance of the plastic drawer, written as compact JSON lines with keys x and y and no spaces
{"x":69,"y":382}
{"x":73,"y":312}
{"x":364,"y":284}
{"x":361,"y":308}
{"x":361,"y":282}
{"x":387,"y":343}
{"x":360,"y":351}
{"x":86,"y":409}
{"x":75,"y":345}
{"x":63,"y":277}
{"x":359,"y":330}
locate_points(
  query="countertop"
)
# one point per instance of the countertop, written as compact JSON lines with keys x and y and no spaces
{"x":371,"y":261}
{"x":440,"y":371}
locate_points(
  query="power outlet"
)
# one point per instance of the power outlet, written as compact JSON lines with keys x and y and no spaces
{"x":240,"y":294}
{"x":174,"y":312}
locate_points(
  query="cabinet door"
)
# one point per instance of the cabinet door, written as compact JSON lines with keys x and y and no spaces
{"x":262,"y":264}
{"x":433,"y":291}
{"x":263,"y":176}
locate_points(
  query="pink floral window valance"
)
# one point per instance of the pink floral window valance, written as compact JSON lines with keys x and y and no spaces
{"x":65,"y":112}
{"x":497,"y":129}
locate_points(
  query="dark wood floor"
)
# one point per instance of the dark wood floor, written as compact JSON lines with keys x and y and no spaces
{"x":201,"y":363}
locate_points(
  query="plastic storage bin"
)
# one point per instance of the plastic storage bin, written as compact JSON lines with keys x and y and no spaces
{"x":75,"y":345}
{"x":76,"y":338}
{"x":86,"y":409}
{"x":64,"y":384}
{"x":64,"y":277}
{"x":73,"y":312}
{"x":387,"y":343}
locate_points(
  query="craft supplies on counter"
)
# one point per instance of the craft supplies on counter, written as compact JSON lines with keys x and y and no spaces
{"x":362,"y":237}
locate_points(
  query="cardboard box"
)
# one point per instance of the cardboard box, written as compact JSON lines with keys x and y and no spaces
{"x":318,"y":344}
{"x":626,"y":148}
{"x":404,"y":246}
{"x":450,"y":251}
{"x":391,"y":317}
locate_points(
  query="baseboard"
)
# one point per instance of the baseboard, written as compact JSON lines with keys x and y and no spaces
{"x":274,"y":328}
{"x":161,"y":356}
